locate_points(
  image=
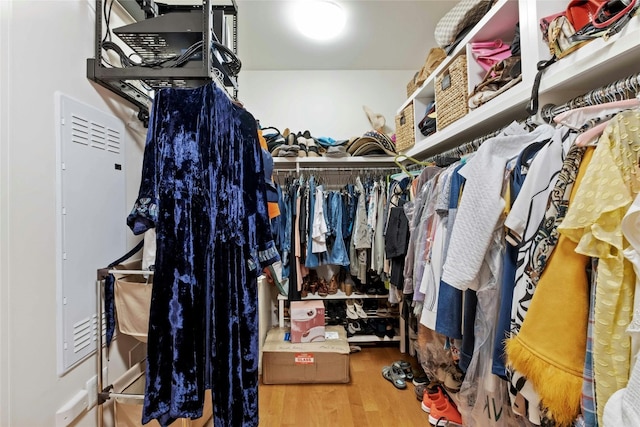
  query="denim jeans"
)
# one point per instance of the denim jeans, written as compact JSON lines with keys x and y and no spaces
{"x":337,"y":251}
{"x":285,"y":230}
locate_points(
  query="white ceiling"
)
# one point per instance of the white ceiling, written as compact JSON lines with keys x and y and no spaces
{"x":379,"y":35}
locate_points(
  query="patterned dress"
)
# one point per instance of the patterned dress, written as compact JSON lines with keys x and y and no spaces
{"x":203,"y":190}
{"x":594,"y":222}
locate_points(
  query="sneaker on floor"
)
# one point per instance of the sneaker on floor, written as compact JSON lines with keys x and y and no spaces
{"x":444,"y":413}
{"x":419,"y":377}
{"x":420,"y":390}
{"x":431,"y":397}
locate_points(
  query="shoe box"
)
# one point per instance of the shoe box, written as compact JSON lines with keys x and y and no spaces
{"x":284,"y":362}
{"x":307,"y":321}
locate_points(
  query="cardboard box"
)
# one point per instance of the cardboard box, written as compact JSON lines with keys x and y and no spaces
{"x":307,"y":321}
{"x":284,"y":362}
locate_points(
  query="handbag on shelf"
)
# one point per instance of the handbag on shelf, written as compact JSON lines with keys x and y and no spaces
{"x":499,"y":78}
{"x":427,"y":124}
{"x":465,"y":14}
{"x":489,"y":53}
{"x":610,"y":18}
{"x":434,"y":58}
{"x":581,"y":12}
{"x":567,"y":31}
{"x":560,"y":37}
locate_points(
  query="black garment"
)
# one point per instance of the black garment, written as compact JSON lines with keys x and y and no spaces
{"x":396,"y":242}
{"x":203,"y":190}
{"x":294,"y":293}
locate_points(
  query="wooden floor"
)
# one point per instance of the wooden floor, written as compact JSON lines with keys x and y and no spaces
{"x":368,"y":400}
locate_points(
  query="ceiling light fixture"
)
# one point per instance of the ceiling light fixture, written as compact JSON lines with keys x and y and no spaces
{"x":319,"y":19}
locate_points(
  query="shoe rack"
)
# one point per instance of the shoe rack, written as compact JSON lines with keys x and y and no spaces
{"x":399,"y":334}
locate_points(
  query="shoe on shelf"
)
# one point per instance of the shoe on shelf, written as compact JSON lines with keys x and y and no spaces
{"x":305,"y":287}
{"x":354,"y":327}
{"x":351,"y":310}
{"x":389,"y":330}
{"x":367,"y":328}
{"x":323,"y":289}
{"x":333,"y":285}
{"x":432,"y":394}
{"x":358,"y":307}
{"x":379,"y":328}
{"x":444,"y":413}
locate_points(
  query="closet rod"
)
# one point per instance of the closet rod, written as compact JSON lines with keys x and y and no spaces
{"x":465,"y":148}
{"x":626,"y":88}
{"x":337,"y":170}
{"x":145,"y":272}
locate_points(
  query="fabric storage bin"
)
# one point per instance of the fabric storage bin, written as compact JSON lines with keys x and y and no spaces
{"x":452,"y":92}
{"x":133,"y":301}
{"x":405,"y":129}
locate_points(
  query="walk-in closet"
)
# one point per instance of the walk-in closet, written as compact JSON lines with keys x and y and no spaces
{"x":359,"y":213}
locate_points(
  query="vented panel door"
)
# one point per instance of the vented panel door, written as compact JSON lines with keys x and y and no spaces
{"x":92,"y":213}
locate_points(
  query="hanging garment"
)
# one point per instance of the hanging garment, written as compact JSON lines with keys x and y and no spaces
{"x":361,"y":239}
{"x":431,"y":259}
{"x":551,"y":358}
{"x":413,"y":210}
{"x":503,"y":325}
{"x":319,"y":224}
{"x":396,"y":231}
{"x":377,"y":246}
{"x":631,"y":230}
{"x":337,"y":254}
{"x":484,"y":396}
{"x":425,"y":232}
{"x":449,"y":319}
{"x":608,"y":189}
{"x":481,"y":205}
{"x":588,"y":398}
{"x":203,"y":190}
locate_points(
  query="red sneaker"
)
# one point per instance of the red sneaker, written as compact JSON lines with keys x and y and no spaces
{"x":444,"y":413}
{"x":431,"y":396}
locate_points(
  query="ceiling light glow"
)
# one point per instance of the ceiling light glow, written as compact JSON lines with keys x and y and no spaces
{"x":319,"y":19}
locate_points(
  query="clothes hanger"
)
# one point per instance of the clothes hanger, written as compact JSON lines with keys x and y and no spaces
{"x":405,"y":171}
{"x":591,"y":136}
{"x":614,"y":107}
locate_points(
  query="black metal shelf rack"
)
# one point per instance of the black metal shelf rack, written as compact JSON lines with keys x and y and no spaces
{"x":137,"y":83}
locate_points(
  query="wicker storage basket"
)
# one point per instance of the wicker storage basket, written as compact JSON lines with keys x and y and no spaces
{"x":412,"y":86}
{"x":451,"y":93}
{"x":405,"y":129}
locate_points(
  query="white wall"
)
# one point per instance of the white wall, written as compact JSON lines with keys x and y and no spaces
{"x":327,"y":103}
{"x":44,"y":46}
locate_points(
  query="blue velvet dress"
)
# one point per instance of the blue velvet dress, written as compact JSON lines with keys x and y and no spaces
{"x":203,"y":190}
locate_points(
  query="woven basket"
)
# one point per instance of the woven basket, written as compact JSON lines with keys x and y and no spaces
{"x":412,"y":86}
{"x":405,"y":129}
{"x":451,"y":93}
